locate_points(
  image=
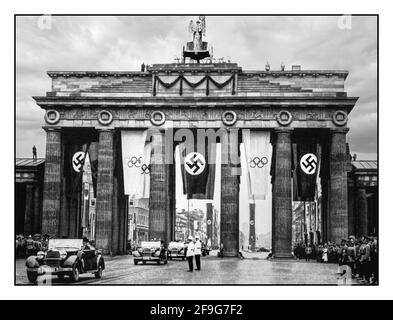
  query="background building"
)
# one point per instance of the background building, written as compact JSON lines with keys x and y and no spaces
{"x":29,"y":179}
{"x":138,"y":220}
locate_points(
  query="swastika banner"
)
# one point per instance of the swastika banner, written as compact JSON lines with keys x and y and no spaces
{"x":306,"y":158}
{"x":200,"y":184}
{"x":136,"y":163}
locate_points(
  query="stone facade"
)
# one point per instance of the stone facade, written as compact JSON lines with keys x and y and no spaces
{"x":198,"y":96}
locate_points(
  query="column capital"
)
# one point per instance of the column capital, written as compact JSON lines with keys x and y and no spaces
{"x":283,"y":130}
{"x":339,"y":130}
{"x":105,"y":129}
{"x":50,"y":128}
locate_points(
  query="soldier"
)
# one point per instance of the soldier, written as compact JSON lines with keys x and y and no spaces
{"x":365,"y":260}
{"x":221,"y":252}
{"x":45,"y":241}
{"x":198,"y":252}
{"x":190,"y":254}
{"x":308,"y":252}
{"x":30,"y":246}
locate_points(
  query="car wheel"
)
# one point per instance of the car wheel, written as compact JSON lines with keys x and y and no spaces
{"x":32,"y":276}
{"x":158,"y":261}
{"x":144,"y":262}
{"x":165,"y":261}
{"x":60,"y":276}
{"x":98,"y":274}
{"x":183,"y":258}
{"x":135,"y":261}
{"x":75,"y":273}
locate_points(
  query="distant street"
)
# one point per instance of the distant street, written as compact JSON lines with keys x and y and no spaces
{"x":254,"y":269}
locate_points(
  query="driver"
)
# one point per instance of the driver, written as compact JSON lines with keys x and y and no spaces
{"x":85,"y":246}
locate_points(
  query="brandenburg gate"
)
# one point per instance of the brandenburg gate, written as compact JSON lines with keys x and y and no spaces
{"x":86,"y":108}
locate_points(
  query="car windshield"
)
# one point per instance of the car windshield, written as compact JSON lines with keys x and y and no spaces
{"x":175,"y":245}
{"x":66,"y":244}
{"x":151,"y":244}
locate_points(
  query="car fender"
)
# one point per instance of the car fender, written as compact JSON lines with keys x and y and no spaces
{"x":69,"y":262}
{"x":136,"y":254}
{"x":100,"y":259}
{"x":31,"y":262}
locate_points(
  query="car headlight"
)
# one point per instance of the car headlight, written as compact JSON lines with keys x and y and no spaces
{"x":157,"y":253}
{"x":136,"y":253}
{"x":63,"y":254}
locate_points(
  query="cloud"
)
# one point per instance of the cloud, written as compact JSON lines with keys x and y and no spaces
{"x":123,"y":43}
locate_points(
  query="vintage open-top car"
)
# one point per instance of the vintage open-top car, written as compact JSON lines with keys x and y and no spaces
{"x":150,"y":251}
{"x":176,"y":249}
{"x":66,"y":257}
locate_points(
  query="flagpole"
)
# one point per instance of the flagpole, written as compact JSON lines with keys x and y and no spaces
{"x":188,"y":218}
{"x":304,"y":222}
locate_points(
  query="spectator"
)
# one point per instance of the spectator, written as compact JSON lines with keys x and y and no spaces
{"x":308,"y":252}
{"x":357,"y":256}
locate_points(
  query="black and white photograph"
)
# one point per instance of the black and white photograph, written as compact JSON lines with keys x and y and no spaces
{"x":195,"y":151}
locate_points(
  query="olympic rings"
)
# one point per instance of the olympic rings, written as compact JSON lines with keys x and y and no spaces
{"x":145,"y":169}
{"x":137,"y":163}
{"x":258,"y":162}
{"x":133,"y":162}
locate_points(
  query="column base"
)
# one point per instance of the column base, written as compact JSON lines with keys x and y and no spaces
{"x":231,"y":254}
{"x":283,"y":256}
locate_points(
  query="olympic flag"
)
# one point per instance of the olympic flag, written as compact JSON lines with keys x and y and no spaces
{"x":258,"y":152}
{"x":136,"y":163}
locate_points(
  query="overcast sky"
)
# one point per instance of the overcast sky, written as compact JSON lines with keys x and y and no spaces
{"x":123,"y":43}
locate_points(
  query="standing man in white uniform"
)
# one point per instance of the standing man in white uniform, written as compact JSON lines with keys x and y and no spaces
{"x":190,"y":254}
{"x":198,"y":252}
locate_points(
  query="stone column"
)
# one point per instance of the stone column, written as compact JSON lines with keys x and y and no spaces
{"x":158,"y":206}
{"x":324,"y":175}
{"x":104,"y":201}
{"x":28,"y":228}
{"x":252,"y":238}
{"x":52,"y":183}
{"x":229,"y":231}
{"x":351,"y":207}
{"x":362,"y":212}
{"x":282,"y":196}
{"x":122,"y":223}
{"x":37,"y":215}
{"x":171,"y":194}
{"x":115,"y":218}
{"x":338,"y":195}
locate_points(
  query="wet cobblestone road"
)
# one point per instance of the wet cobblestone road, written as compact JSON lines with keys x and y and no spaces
{"x":254,"y":269}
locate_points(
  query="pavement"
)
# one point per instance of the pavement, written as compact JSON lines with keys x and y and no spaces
{"x":254,"y":269}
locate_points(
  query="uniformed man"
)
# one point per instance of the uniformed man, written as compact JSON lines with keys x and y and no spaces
{"x":190,"y":254}
{"x":198,"y":252}
{"x":308,"y":252}
{"x":365,"y":260}
{"x":30,"y":249}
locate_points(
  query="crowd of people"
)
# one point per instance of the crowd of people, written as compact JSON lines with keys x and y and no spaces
{"x":359,"y":254}
{"x":26,"y":246}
